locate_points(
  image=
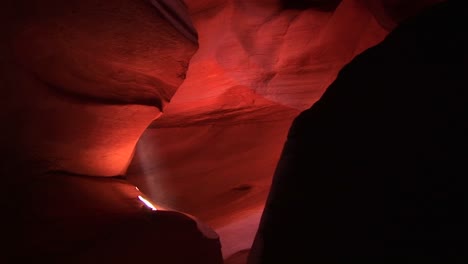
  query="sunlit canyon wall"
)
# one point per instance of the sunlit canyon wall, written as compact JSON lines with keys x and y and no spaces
{"x":214,"y":150}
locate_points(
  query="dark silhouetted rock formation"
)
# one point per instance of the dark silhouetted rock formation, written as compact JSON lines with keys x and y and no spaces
{"x":374,"y":170}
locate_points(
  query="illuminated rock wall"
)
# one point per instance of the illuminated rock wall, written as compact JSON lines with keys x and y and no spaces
{"x":214,"y":150}
{"x":81,"y":81}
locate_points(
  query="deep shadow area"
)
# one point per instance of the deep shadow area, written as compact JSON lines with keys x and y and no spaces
{"x":374,"y":169}
{"x":65,"y":218}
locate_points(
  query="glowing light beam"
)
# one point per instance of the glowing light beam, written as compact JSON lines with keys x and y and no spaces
{"x":147,"y":203}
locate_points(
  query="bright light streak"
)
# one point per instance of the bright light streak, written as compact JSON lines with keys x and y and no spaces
{"x":147,"y":203}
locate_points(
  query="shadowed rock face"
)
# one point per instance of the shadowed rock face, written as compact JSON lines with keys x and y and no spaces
{"x":374,"y":169}
{"x":75,"y":219}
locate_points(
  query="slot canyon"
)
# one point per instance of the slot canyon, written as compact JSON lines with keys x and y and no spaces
{"x":233,"y":131}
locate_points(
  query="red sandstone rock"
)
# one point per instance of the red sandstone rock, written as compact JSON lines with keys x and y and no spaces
{"x":82,"y":80}
{"x":256,"y":68}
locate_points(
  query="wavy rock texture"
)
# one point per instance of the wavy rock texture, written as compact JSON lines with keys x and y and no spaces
{"x":83,"y":81}
{"x":214,"y":150}
{"x":89,"y":70}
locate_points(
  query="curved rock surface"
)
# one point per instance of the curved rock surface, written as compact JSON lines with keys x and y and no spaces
{"x":81,"y":81}
{"x":259,"y":63}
